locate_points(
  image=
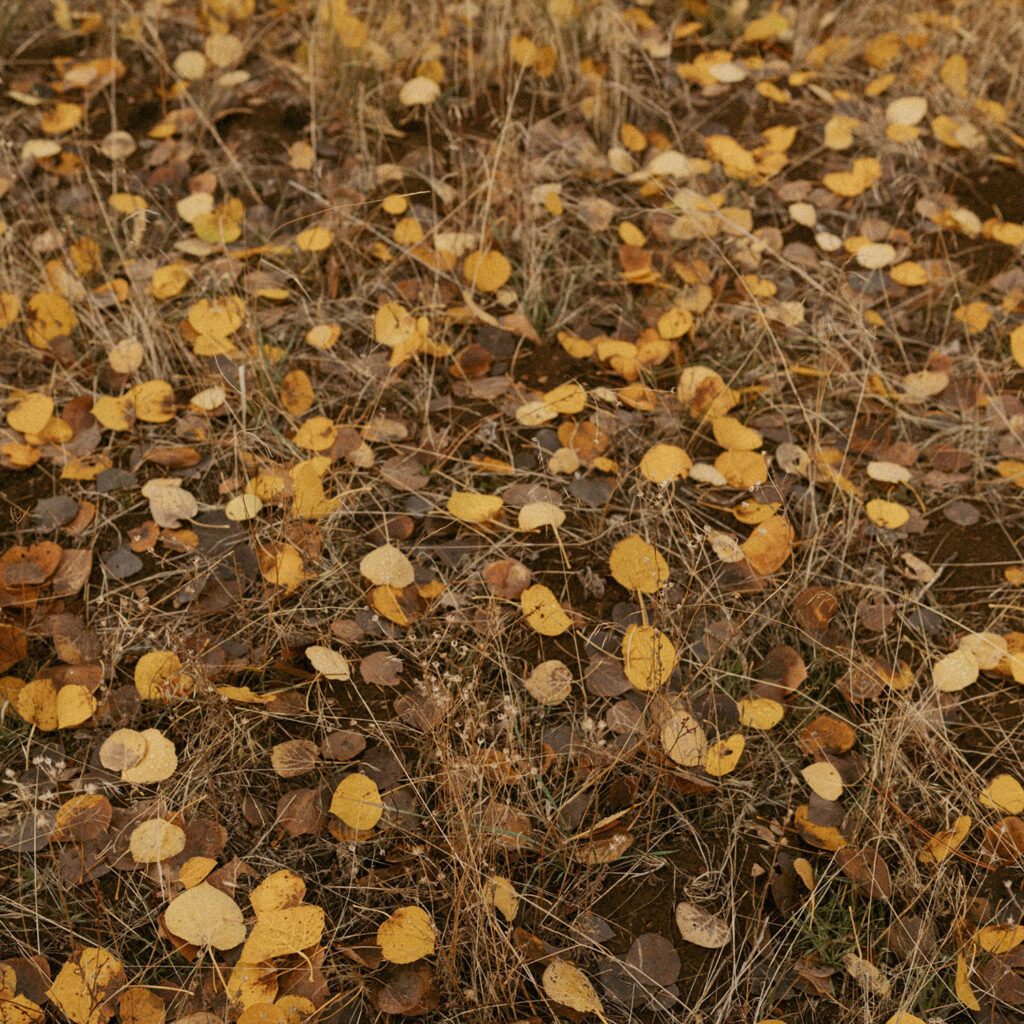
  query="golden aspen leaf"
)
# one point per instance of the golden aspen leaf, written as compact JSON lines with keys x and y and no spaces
{"x":297,"y":395}
{"x":75,"y":705}
{"x":648,"y":657}
{"x":217,"y":318}
{"x":888,"y":472}
{"x":487,"y":270}
{"x":954,"y":74}
{"x":474,"y":508}
{"x":223,"y":49}
{"x":703,"y":392}
{"x":407,"y":935}
{"x":283,"y":932}
{"x":190,"y":65}
{"x":875,"y":255}
{"x":419,"y":91}
{"x":36,"y":702}
{"x":138,"y":1005}
{"x":987,"y":649}
{"x":760,"y":712}
{"x":357,"y":802}
{"x":962,"y":985}
{"x":631,"y":234}
{"x":566,"y":399}
{"x":902,"y":1017}
{"x":550,"y":682}
{"x":63,"y":117}
{"x":156,"y":840}
{"x":10,"y":307}
{"x":536,"y":514}
{"x":31,"y":414}
{"x":86,"y":986}
{"x":533,"y":414}
{"x":566,"y":984}
{"x":222,"y":225}
{"x":1012,"y":470}
{"x":158,"y":763}
{"x":665,"y":463}
{"x":158,"y":676}
{"x":194,"y":870}
{"x":723,"y":755}
{"x":384,"y":601}
{"x":317,"y":434}
{"x":314,"y":239}
{"x":243,"y":507}
{"x":278,"y":890}
{"x":975,"y":316}
{"x":49,"y":316}
{"x":1004,"y":793}
{"x":386,"y":564}
{"x":123,"y":748}
{"x":696,"y":925}
{"x":114,"y":413}
{"x":684,"y":740}
{"x":205,"y":916}
{"x":328,"y":662}
{"x":956,"y":671}
{"x":154,"y":401}
{"x":127,"y":202}
{"x":408,"y":231}
{"x":824,"y":779}
{"x":733,"y":435}
{"x":543,"y":612}
{"x":126,"y":356}
{"x":394,"y":204}
{"x":675,"y":323}
{"x":864,"y":173}
{"x":940,"y":846}
{"x":999,"y":938}
{"x":637,"y":565}
{"x":169,"y":281}
{"x":281,"y":566}
{"x":839,"y":131}
{"x":769,"y":545}
{"x":501,"y":894}
{"x":908,"y":110}
{"x":889,"y":515}
{"x":323,"y":336}
{"x":763,"y":29}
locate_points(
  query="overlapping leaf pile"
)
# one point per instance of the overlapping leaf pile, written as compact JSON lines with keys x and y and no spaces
{"x":582,"y":445}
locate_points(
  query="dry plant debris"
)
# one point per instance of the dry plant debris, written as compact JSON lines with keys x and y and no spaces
{"x":511,"y":511}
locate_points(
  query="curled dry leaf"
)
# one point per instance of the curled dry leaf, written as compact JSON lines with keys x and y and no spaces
{"x":696,"y":925}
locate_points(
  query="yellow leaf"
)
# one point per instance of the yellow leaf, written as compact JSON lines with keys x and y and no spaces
{"x":114,"y":413}
{"x":158,"y":676}
{"x":86,"y":986}
{"x":683,"y":739}
{"x":648,"y":657}
{"x":386,"y":564}
{"x":323,"y":336}
{"x":154,"y":401}
{"x":419,"y":91}
{"x":964,"y":992}
{"x":889,"y":515}
{"x":939,"y":847}
{"x":357,"y":802}
{"x":864,"y":173}
{"x":75,"y":705}
{"x":205,"y":916}
{"x":1004,"y":793}
{"x":31,"y":414}
{"x":50,"y":315}
{"x":956,"y":671}
{"x":158,"y":763}
{"x":474,"y":508}
{"x":316,"y":434}
{"x":824,"y":779}
{"x":36,"y":702}
{"x":314,"y":239}
{"x":169,"y":281}
{"x":328,"y":662}
{"x":1000,"y":938}
{"x":637,"y":565}
{"x":156,"y":840}
{"x":281,"y":566}
{"x":283,"y":932}
{"x":954,"y":74}
{"x":501,"y":894}
{"x":278,"y":890}
{"x":665,"y":463}
{"x":769,"y":545}
{"x":487,"y":270}
{"x":569,"y":986}
{"x":127,"y":202}
{"x":221,"y":225}
{"x":550,"y":682}
{"x":406,"y":936}
{"x":765,"y":28}
{"x":62,"y":118}
{"x":760,"y":712}
{"x":543,"y":612}
{"x":723,"y":755}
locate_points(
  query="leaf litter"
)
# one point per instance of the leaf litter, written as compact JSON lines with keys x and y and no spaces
{"x":480,"y":524}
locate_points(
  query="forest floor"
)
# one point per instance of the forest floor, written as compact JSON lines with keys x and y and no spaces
{"x":511,"y":510}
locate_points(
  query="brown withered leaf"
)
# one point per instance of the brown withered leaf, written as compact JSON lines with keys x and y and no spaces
{"x":507,"y":578}
{"x":302,"y":812}
{"x":293,"y":758}
{"x":342,"y":745}
{"x":780,"y":674}
{"x":826,"y":734}
{"x":407,"y":989}
{"x":867,"y":870}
